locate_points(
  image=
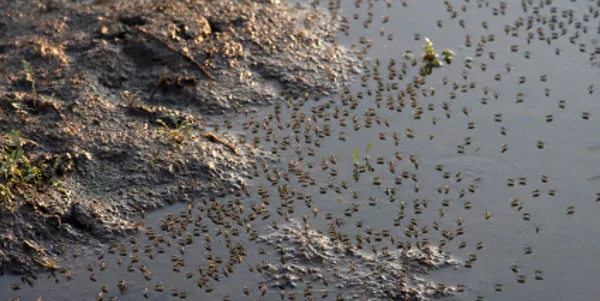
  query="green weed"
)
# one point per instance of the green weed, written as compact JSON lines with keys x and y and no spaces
{"x":179,"y":132}
{"x":29,"y":76}
{"x":431,"y":58}
{"x":447,"y":55}
{"x":355,"y":156}
{"x":361,"y":168}
{"x":16,"y":171}
{"x":356,"y":153}
{"x":130,"y":97}
{"x":368,"y":149}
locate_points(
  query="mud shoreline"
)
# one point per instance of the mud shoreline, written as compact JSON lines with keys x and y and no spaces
{"x":106,"y":108}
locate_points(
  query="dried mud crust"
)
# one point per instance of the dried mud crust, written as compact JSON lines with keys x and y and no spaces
{"x":82,"y":161}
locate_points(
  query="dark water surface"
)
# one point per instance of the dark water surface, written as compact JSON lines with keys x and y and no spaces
{"x":544,"y":227}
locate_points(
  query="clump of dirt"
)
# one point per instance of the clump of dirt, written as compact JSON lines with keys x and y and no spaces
{"x":308,"y":256}
{"x":104,"y":108}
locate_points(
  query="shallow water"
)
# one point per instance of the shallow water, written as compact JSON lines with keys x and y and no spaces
{"x":562,"y":245}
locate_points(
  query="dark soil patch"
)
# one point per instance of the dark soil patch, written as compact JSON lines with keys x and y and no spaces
{"x":92,"y":158}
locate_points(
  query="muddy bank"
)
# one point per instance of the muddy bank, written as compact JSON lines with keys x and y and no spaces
{"x":105,"y":109}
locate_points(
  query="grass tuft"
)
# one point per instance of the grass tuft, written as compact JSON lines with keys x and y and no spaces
{"x":29,"y":76}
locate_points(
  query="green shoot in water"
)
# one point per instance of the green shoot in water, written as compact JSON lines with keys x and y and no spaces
{"x":355,"y":156}
{"x":431,"y":59}
{"x":356,"y":153}
{"x":429,"y":56}
{"x":447,"y":55}
{"x":368,"y":149}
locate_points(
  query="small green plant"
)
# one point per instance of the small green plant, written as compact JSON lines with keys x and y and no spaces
{"x":11,"y":157}
{"x":29,"y":76}
{"x":447,"y":55}
{"x":10,"y":166}
{"x":355,"y":157}
{"x":369,"y":146}
{"x":14,"y":139}
{"x":361,"y":168}
{"x":178,"y":133}
{"x":431,"y":58}
{"x":130,"y":97}
{"x":16,"y":171}
{"x":356,"y":153}
{"x":6,"y":195}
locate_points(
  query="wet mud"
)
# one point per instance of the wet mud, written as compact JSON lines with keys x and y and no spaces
{"x":105,"y":109}
{"x":308,"y":256}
